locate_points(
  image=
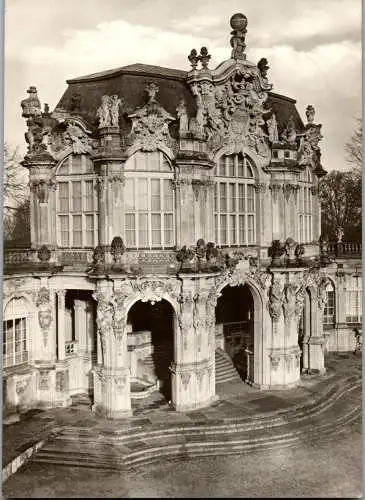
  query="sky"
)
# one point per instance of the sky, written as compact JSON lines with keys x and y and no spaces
{"x":313,"y":48}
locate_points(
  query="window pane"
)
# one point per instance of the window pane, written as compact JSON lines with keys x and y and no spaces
{"x":249,"y":172}
{"x":63,"y":169}
{"x":143,"y":230}
{"x":89,"y":196}
{"x":241,"y":198}
{"x":76,"y":231}
{"x":216,"y":197}
{"x":222,"y":166}
{"x":250,"y":199}
{"x":232,"y":198}
{"x":230,"y":164}
{"x":76,"y":196}
{"x":165,"y":164}
{"x":155,"y":194}
{"x":142,"y":194}
{"x":232,"y":228}
{"x":169,"y":228}
{"x":168,"y":196}
{"x":241,"y":229}
{"x":89,"y":223}
{"x":89,"y":166}
{"x":64,"y":230}
{"x":216,"y":228}
{"x":156,"y":229}
{"x":250,"y":229}
{"x":223,"y":221}
{"x":63,"y":196}
{"x":240,"y":166}
{"x":223,"y":197}
{"x":154,"y":163}
{"x":76,"y":164}
{"x":129,"y":203}
{"x":130,"y":229}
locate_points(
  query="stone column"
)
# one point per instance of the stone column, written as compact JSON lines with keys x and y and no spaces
{"x":112,"y":376}
{"x":284,"y":353}
{"x":264,"y":235}
{"x":193,"y":373}
{"x":61,"y":324}
{"x":40,"y":169}
{"x":185,"y":211}
{"x":276,"y":195}
{"x":316,"y":341}
{"x":81,"y":325}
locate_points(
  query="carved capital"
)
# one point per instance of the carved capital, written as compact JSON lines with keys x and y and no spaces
{"x":41,"y":188}
{"x":260,"y":187}
{"x":275,"y":188}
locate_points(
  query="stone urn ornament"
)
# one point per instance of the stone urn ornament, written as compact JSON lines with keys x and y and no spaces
{"x":117,"y":249}
{"x":276,"y":252}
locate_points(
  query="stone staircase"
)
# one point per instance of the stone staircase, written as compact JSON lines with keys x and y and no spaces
{"x":225,"y":370}
{"x":325,"y":418}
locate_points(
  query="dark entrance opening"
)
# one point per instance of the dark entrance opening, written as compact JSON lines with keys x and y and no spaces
{"x":158,"y":319}
{"x":235,"y":311}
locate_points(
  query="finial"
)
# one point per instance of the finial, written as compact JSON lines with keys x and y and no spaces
{"x":310,"y":112}
{"x":204,"y":57}
{"x":31,"y":106}
{"x":238,"y":24}
{"x":193,"y":58}
{"x":263,"y":67}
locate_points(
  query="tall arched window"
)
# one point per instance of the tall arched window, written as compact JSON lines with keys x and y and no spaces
{"x":234,"y":201}
{"x":329,"y":315}
{"x":15,"y":332}
{"x":305,"y":206}
{"x":149,"y":202}
{"x":354,"y":299}
{"x":77,"y":218}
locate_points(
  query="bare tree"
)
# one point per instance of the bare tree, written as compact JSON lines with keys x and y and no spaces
{"x":15,"y":181}
{"x":354,"y":147}
{"x":14,"y":189}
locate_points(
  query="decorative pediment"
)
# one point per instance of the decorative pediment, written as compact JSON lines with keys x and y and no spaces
{"x":150,"y":124}
{"x":230,"y":107}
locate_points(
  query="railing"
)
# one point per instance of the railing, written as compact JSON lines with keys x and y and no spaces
{"x":70,"y":347}
{"x":344,"y":249}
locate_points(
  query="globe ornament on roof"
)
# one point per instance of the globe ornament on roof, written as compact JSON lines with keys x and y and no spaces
{"x":239,"y":25}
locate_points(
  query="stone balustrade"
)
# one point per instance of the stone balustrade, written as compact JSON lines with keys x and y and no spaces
{"x":344,"y":249}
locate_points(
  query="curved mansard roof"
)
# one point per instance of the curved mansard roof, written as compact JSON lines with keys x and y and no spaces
{"x":83,"y":95}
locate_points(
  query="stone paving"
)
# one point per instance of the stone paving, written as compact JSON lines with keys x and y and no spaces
{"x":236,"y":400}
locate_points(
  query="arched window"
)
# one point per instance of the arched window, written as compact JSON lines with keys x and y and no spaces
{"x":77,"y":218}
{"x":354,"y":299}
{"x":15,"y":328}
{"x":234,"y":201}
{"x":305,"y":206}
{"x":329,"y":315}
{"x":149,"y":202}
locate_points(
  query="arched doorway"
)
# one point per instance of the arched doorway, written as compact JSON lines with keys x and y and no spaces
{"x":235,"y":317}
{"x":151,"y":343}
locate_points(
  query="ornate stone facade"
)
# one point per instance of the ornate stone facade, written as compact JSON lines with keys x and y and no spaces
{"x":204,"y":132}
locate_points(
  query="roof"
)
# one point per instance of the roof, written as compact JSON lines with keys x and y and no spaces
{"x":83,"y":95}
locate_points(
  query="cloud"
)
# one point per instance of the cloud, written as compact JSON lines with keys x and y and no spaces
{"x":313,"y":50}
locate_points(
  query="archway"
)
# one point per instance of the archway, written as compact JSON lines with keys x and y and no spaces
{"x":151,"y":344}
{"x":235,"y":319}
